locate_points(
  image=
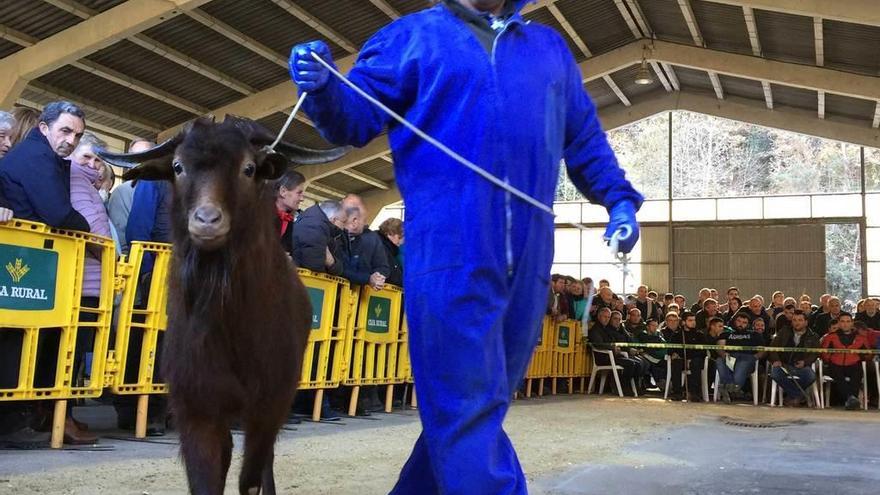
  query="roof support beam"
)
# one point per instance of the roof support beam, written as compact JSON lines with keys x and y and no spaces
{"x":82,"y":39}
{"x":716,"y":84}
{"x":854,"y":11}
{"x":628,"y":18}
{"x":743,"y":110}
{"x":821,"y":104}
{"x":691,"y":20}
{"x":819,"y":35}
{"x":242,"y":39}
{"x":326,"y":189}
{"x":752,"y":27}
{"x":354,"y":174}
{"x":94,"y":125}
{"x":385,"y":7}
{"x":876,"y":122}
{"x":376,"y":149}
{"x":614,"y":87}
{"x":639,"y":17}
{"x":661,"y":75}
{"x":570,"y":30}
{"x":768,"y":94}
{"x":283,"y":95}
{"x":164,"y":51}
{"x":316,"y":24}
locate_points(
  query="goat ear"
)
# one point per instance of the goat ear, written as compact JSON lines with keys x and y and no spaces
{"x":272,"y":166}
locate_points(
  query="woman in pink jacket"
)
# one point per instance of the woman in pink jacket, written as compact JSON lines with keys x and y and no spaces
{"x":85,"y":181}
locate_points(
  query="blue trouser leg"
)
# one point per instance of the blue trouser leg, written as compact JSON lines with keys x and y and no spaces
{"x":806,"y":377}
{"x":745,"y":365}
{"x":725,"y":374}
{"x":469,"y":351}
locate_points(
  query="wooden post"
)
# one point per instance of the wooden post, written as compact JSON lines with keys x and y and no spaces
{"x":553,"y":387}
{"x":316,"y":407}
{"x":570,"y":386}
{"x":528,"y":388}
{"x":541,"y":387}
{"x":414,"y":403}
{"x":59,"y":418}
{"x":389,"y":398}
{"x":352,"y":404}
{"x":140,"y":424}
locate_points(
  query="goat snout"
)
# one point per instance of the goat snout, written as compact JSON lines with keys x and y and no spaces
{"x":208,"y":215}
{"x":208,"y":226}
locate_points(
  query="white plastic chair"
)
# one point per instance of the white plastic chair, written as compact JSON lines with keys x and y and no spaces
{"x":704,"y":377}
{"x":827,"y":380}
{"x":753,"y":375}
{"x":777,"y":391}
{"x":605,"y":369}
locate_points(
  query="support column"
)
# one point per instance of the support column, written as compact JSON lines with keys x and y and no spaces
{"x":11,"y":87}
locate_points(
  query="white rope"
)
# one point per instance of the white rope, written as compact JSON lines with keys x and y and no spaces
{"x":302,"y":99}
{"x":619,"y":235}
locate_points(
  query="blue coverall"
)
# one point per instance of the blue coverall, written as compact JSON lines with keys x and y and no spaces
{"x":478,"y":260}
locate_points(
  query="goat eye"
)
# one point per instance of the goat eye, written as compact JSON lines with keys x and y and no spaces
{"x":250,"y":169}
{"x":177,"y":167}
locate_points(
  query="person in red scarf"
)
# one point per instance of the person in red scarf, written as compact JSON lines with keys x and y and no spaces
{"x":290,"y":189}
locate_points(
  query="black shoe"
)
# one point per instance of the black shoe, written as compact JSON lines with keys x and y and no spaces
{"x":852,"y":403}
{"x":330,"y":414}
{"x":25,"y":437}
{"x":156,"y":428}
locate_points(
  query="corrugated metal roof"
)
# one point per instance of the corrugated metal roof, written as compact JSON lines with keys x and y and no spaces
{"x":38,"y":19}
{"x":343,"y":183}
{"x":600,"y":93}
{"x":625,"y":80}
{"x":746,"y":88}
{"x":114,"y":96}
{"x":298,"y":132}
{"x":723,"y":26}
{"x":378,"y":168}
{"x":409,"y":6}
{"x":123,"y":125}
{"x":852,"y":47}
{"x":100,"y":5}
{"x":786,"y":37}
{"x":217,"y":51}
{"x":795,"y":97}
{"x":267,"y":23}
{"x":846,"y":106}
{"x":7,"y":48}
{"x":144,"y":65}
{"x":666,"y":20}
{"x":357,"y":20}
{"x":598,"y":22}
{"x":545,"y":17}
{"x":690,"y":78}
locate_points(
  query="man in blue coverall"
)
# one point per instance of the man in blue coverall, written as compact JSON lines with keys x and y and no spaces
{"x":508,"y":96}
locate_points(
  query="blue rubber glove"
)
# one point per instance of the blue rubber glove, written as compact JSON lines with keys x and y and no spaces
{"x":622,"y":216}
{"x":306,"y":72}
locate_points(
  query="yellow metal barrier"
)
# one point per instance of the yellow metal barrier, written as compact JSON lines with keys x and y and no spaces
{"x":375,"y":343}
{"x":540,"y":366}
{"x":333,"y":310}
{"x":41,"y":304}
{"x":567,"y":347}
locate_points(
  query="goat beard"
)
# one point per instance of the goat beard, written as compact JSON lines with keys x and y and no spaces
{"x":207,"y":280}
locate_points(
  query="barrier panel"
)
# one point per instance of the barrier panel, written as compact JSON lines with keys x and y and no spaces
{"x":333,"y":312}
{"x":46,"y":326}
{"x":541,"y":364}
{"x":566,"y":353}
{"x":375,"y":343}
{"x":404,"y":366}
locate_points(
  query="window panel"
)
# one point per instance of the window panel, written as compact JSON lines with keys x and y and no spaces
{"x":874,"y":278}
{"x":568,"y":246}
{"x":693,"y":209}
{"x":567,"y":212}
{"x":740,"y":208}
{"x":787,"y":207}
{"x":872,"y":212}
{"x":654,"y":211}
{"x":838,"y":205}
{"x":872,"y":238}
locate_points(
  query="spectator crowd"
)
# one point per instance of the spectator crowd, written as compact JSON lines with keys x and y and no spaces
{"x":51,"y":172}
{"x":615,"y":322}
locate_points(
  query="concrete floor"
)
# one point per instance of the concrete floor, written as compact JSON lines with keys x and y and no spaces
{"x":712,"y":457}
{"x":568,"y":444}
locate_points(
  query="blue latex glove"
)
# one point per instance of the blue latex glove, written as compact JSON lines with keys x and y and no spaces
{"x":622,"y":216}
{"x":306,"y":72}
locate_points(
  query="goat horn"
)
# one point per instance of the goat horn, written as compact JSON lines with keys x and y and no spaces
{"x":302,"y":155}
{"x":131,"y":160}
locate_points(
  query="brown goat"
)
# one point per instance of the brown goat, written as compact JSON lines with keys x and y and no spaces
{"x":238,"y":315}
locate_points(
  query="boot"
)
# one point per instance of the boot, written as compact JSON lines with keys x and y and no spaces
{"x":75,"y":436}
{"x":852,"y":403}
{"x":724,"y":389}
